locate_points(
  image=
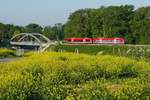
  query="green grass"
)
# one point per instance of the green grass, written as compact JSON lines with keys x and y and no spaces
{"x":117,"y":50}
{"x":47,"y":76}
{"x":6,"y":53}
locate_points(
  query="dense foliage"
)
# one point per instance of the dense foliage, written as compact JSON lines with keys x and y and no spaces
{"x":113,"y":21}
{"x":70,"y":76}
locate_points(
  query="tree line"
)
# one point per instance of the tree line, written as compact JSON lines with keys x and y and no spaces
{"x":7,"y":31}
{"x":112,"y":21}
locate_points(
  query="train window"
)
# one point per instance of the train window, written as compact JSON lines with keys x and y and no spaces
{"x":98,"y":40}
{"x":87,"y":40}
{"x":78,"y":40}
{"x":107,"y":41}
{"x":118,"y":40}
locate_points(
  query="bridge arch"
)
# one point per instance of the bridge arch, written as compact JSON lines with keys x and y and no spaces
{"x":32,"y":40}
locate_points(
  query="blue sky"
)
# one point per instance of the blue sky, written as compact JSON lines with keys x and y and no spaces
{"x":49,"y":12}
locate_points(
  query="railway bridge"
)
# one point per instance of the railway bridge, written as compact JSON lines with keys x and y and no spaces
{"x":30,"y":41}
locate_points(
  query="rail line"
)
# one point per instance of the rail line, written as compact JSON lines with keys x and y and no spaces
{"x":132,"y":45}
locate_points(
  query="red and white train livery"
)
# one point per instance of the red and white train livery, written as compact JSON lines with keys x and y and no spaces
{"x":95,"y":40}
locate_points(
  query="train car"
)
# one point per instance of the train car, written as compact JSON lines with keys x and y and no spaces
{"x":79,"y":40}
{"x":95,"y":40}
{"x":108,"y":41}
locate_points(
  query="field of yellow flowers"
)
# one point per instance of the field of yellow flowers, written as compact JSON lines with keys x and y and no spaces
{"x":50,"y":75}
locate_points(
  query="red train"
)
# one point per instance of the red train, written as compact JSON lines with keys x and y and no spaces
{"x":95,"y":40}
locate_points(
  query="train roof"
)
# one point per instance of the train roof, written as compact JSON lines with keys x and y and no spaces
{"x":108,"y":38}
{"x":77,"y":38}
{"x":94,"y":38}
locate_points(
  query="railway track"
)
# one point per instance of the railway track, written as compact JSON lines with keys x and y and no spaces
{"x":113,"y":45}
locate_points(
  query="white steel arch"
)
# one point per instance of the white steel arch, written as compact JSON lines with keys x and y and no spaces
{"x":40,"y":40}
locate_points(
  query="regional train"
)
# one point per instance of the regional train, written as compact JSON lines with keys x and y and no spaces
{"x":95,"y":40}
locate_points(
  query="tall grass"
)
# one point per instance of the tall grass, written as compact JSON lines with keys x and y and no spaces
{"x":6,"y":53}
{"x":48,"y":76}
{"x":136,"y":52}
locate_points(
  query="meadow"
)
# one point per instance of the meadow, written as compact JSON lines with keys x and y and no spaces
{"x":70,"y":76}
{"x":6,"y":53}
{"x":135,"y":52}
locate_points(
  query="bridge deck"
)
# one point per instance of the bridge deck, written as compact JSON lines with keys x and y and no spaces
{"x":28,"y":43}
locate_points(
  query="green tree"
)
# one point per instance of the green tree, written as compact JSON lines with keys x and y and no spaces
{"x":16,"y":33}
{"x":59,"y":31}
{"x":54,"y":33}
{"x":112,"y":21}
{"x":33,"y":28}
{"x":140,"y":25}
{"x":48,"y":32}
{"x":3,"y":34}
{"x":79,"y":24}
{"x":12,"y":28}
